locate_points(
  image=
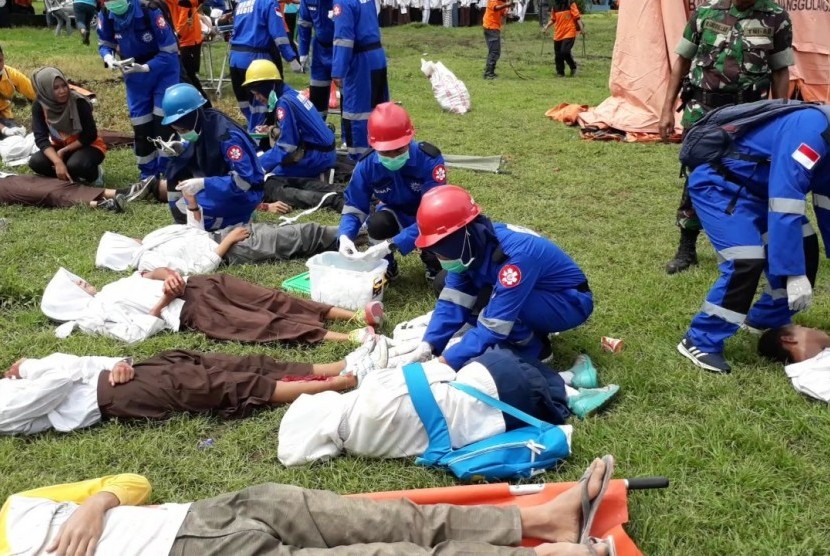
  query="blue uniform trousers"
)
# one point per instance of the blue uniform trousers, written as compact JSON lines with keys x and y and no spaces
{"x":319,"y":85}
{"x":364,"y":87}
{"x":144,"y":94}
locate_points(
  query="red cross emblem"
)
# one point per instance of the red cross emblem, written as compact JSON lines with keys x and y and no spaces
{"x":439,"y":174}
{"x":234,"y":153}
{"x":161,"y":23}
{"x":510,"y":276}
{"x":336,"y":10}
{"x":280,"y":114}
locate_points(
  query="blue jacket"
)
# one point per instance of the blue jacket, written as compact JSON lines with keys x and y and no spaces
{"x":531,"y":266}
{"x":257,"y":24}
{"x":355,"y":28}
{"x":233,"y":181}
{"x":317,"y":15}
{"x":142,"y":34}
{"x":798,"y":155}
{"x":300,"y":126}
{"x":400,"y":191}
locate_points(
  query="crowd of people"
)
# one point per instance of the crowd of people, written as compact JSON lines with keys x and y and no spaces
{"x":502,"y":289}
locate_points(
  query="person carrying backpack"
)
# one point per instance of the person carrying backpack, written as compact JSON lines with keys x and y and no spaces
{"x":757,"y":163}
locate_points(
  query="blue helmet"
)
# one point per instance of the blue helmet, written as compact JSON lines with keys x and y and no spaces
{"x":179,"y":100}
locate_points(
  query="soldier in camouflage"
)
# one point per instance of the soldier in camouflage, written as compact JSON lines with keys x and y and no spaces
{"x":732,"y":51}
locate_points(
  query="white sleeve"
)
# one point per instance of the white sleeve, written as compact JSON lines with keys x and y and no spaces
{"x":25,"y":403}
{"x":309,"y":429}
{"x":138,"y":329}
{"x":206,"y":263}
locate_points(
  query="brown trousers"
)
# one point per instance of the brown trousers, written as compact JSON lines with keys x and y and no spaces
{"x":45,"y":192}
{"x":231,"y":386}
{"x":228,"y":308}
{"x":280,"y":520}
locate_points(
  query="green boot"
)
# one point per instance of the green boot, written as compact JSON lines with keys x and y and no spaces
{"x":585,"y":374}
{"x":591,"y":400}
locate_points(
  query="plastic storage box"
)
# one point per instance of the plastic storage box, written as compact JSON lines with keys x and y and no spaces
{"x":345,"y":283}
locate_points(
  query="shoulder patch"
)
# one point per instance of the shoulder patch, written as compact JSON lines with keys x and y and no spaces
{"x":234,"y":153}
{"x":336,"y":10}
{"x":806,"y":156}
{"x":439,"y":174}
{"x":510,"y":276}
{"x":161,"y":23}
{"x":429,"y":149}
{"x":280,"y":113}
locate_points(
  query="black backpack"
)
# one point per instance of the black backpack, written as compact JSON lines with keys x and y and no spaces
{"x":710,"y":139}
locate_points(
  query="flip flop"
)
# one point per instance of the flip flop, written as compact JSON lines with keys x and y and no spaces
{"x":590,"y":507}
{"x":591,"y":542}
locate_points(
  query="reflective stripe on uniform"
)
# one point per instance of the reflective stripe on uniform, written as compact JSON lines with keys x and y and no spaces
{"x":741,"y":252}
{"x":171,"y":48}
{"x":821,"y":201}
{"x":319,"y":83}
{"x":240,"y":182}
{"x":145,"y":119}
{"x":497,"y":326}
{"x":778,"y":293}
{"x":457,"y":297}
{"x":787,"y":206}
{"x":725,"y":314}
{"x":352,"y":210}
{"x":347,"y":43}
{"x":356,"y":115}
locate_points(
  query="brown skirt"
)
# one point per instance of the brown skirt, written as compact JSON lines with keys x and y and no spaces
{"x":231,"y":386}
{"x":46,"y":192}
{"x":227,"y":308}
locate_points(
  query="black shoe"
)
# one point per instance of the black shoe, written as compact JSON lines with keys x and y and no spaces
{"x":116,"y":204}
{"x":714,"y":362}
{"x":686,"y":255}
{"x":573,"y":71}
{"x":489,"y":76}
{"x":142,"y":189}
{"x":392,"y":271}
{"x":85,"y":37}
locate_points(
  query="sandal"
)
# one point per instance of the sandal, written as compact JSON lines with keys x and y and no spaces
{"x":590,"y":507}
{"x":591,"y":542}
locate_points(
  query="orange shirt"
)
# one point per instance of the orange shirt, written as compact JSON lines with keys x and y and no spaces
{"x":186,"y":21}
{"x":564,"y":22}
{"x":494,"y":19}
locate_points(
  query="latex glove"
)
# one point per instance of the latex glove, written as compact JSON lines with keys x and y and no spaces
{"x":12,"y":131}
{"x":303,"y":61}
{"x":799,"y":293}
{"x":296,"y":66}
{"x":169,"y":148}
{"x":136,"y":68}
{"x":378,"y":251}
{"x":191,"y":186}
{"x":347,"y":248}
{"x":109,"y":61}
{"x":421,"y":352}
{"x":118,"y":64}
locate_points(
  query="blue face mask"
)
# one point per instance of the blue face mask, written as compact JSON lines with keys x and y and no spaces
{"x":118,"y":7}
{"x":394,"y":163}
{"x":272,"y":101}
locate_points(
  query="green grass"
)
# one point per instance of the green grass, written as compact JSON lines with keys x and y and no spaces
{"x":746,"y":455}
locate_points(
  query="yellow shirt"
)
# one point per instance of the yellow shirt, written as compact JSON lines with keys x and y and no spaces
{"x":11,"y":82}
{"x":130,"y":490}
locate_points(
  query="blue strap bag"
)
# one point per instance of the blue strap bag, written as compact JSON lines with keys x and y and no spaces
{"x":519,"y":453}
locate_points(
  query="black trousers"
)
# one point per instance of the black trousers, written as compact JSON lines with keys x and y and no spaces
{"x":82,"y":164}
{"x":302,"y":193}
{"x":562,"y":55}
{"x":191,"y":58}
{"x":493,"y":38}
{"x":291,"y":22}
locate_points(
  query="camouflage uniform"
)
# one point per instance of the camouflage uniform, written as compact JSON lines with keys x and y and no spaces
{"x":733,"y":54}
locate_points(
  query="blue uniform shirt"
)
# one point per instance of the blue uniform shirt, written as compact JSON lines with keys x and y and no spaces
{"x":798,"y":154}
{"x":355,"y":27}
{"x":314,"y":14}
{"x":400,"y":191}
{"x":300,"y":126}
{"x":141,"y":34}
{"x":532,"y":266}
{"x":256,"y":24}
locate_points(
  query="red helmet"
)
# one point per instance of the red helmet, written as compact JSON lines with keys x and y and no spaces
{"x":443,"y":210}
{"x":389,"y":127}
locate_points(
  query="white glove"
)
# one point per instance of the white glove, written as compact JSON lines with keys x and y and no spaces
{"x":347,"y":248}
{"x":118,"y":64}
{"x":303,"y":61}
{"x":136,"y":68}
{"x":109,"y":61}
{"x":169,"y":148}
{"x":799,"y":293}
{"x":377,"y":252}
{"x":422,"y":352}
{"x":191,"y":186}
{"x":296,"y":66}
{"x":11,"y":131}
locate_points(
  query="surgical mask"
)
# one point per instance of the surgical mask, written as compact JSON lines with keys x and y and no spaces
{"x":118,"y":7}
{"x":394,"y":163}
{"x":455,"y":266}
{"x":272,"y":101}
{"x":191,"y":135}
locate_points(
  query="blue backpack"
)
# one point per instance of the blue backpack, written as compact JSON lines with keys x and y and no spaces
{"x":523,"y":452}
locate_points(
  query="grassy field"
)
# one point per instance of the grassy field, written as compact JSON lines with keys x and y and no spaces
{"x":746,"y":455}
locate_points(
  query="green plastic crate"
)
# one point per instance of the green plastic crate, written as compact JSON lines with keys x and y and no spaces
{"x":300,"y":283}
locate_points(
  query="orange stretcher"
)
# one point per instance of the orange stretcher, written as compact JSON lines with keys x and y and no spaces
{"x":613,"y":512}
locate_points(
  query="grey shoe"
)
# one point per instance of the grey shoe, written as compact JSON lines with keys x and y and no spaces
{"x":116,"y":204}
{"x":142,"y":189}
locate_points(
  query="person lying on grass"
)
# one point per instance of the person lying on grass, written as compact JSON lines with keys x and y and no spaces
{"x":805,"y":353}
{"x":67,"y":392}
{"x":222,"y":307}
{"x":104,"y":516}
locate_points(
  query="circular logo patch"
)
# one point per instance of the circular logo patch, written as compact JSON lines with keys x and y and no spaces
{"x":336,"y":10}
{"x":439,"y":173}
{"x":147,"y":37}
{"x":510,"y":276}
{"x":234,"y":153}
{"x":280,"y":114}
{"x":161,"y":23}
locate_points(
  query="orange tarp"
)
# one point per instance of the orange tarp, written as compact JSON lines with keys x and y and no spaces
{"x":613,"y":512}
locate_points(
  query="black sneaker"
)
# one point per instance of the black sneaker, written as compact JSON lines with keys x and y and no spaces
{"x":85,"y":37}
{"x":392,"y":271}
{"x":714,"y":362}
{"x":489,"y":76}
{"x":116,"y":204}
{"x":142,"y":189}
{"x":573,"y":71}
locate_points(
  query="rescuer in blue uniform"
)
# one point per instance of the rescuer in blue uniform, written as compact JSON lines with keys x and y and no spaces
{"x":303,"y":145}
{"x":317,"y":16}
{"x":752,"y":206}
{"x":218,"y":164}
{"x":258,"y":33}
{"x":359,"y":69}
{"x":536,"y":288}
{"x":398,"y":172}
{"x":144,"y":35}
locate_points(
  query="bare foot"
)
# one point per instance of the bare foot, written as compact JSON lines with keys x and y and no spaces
{"x":570,"y":549}
{"x":559,"y":520}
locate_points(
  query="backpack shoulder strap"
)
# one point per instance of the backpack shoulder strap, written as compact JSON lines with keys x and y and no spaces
{"x":501,"y":406}
{"x":430,"y":414}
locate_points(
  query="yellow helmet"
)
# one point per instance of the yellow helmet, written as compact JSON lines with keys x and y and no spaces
{"x":261,"y":70}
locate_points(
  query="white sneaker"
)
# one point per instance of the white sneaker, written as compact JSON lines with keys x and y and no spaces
{"x":380,"y":353}
{"x":359,"y":363}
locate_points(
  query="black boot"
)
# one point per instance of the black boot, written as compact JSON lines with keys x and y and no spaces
{"x":686,"y":252}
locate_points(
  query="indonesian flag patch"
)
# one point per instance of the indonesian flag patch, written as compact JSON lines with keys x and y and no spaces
{"x":806,"y":156}
{"x":234,"y":153}
{"x":510,"y":276}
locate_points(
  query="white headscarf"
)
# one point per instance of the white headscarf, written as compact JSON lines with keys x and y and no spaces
{"x":65,"y":301}
{"x":117,"y":252}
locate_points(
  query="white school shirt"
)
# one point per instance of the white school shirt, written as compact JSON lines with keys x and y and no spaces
{"x":812,"y":376}
{"x":59,"y":391}
{"x":379,"y":420}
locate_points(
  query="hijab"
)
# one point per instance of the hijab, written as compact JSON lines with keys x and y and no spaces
{"x":62,"y":117}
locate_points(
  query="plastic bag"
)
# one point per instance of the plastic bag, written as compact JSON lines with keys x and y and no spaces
{"x":449,"y":91}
